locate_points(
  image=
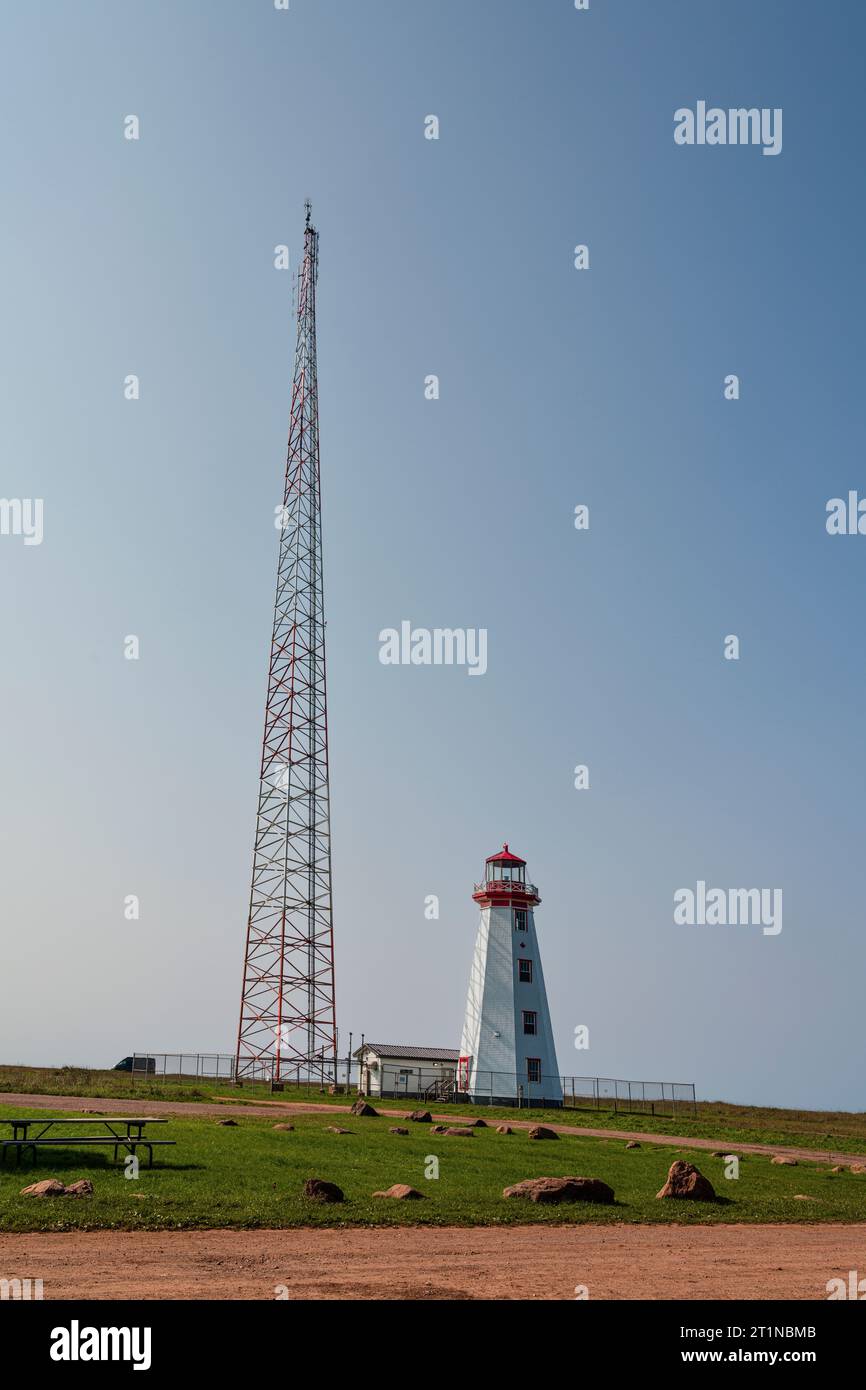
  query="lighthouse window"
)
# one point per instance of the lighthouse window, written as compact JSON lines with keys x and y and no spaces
{"x":533,"y":1068}
{"x":530,"y":1021}
{"x":520,"y":919}
{"x":524,"y":971}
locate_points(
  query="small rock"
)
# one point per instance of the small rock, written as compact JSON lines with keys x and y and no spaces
{"x":335,"y":1129}
{"x":475,"y":1124}
{"x":837,"y":1169}
{"x":785,"y":1162}
{"x":801,"y":1197}
{"x":285,"y":1129}
{"x":684,"y":1180}
{"x":542,"y":1132}
{"x":401,"y":1192}
{"x":857,"y":1168}
{"x":459,"y":1132}
{"x":48,"y":1187}
{"x":397,"y":1129}
{"x":632,"y":1144}
{"x":561,"y":1190}
{"x":228,"y":1123}
{"x":82,"y":1188}
{"x":439,"y":1129}
{"x":362,"y":1108}
{"x":93,"y":1112}
{"x":322,"y":1191}
{"x":421,"y":1117}
{"x":504,"y":1129}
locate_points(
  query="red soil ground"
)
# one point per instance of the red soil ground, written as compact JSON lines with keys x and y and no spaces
{"x":517,"y":1262}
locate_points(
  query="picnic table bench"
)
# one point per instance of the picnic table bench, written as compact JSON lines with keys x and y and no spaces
{"x":120,"y":1132}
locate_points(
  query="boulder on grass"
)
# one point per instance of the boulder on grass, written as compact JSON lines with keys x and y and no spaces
{"x":421,"y":1117}
{"x":632,"y":1144}
{"x":475,"y":1124}
{"x":335,"y":1129}
{"x":401,"y":1192}
{"x":397,"y":1129}
{"x":82,"y":1188}
{"x":504,"y":1129}
{"x":439,"y":1129}
{"x":561,"y":1190}
{"x":321,"y":1191}
{"x":232,"y":1124}
{"x":784,"y":1161}
{"x":48,"y":1187}
{"x":459,"y":1131}
{"x":684,"y":1180}
{"x":857,"y":1168}
{"x":52,"y":1187}
{"x":362,"y":1108}
{"x":542,"y":1132}
{"x":285,"y":1129}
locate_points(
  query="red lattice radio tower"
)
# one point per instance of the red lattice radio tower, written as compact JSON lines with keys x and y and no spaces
{"x":288,"y":1017}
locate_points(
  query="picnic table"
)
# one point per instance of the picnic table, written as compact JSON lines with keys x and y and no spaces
{"x":118,"y":1132}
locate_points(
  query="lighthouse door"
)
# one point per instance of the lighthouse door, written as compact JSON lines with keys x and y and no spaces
{"x":463,"y":1073}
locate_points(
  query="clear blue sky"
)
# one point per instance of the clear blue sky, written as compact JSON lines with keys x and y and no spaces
{"x":557,"y":387}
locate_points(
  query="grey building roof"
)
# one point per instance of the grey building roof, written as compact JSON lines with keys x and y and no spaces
{"x":421,"y":1054}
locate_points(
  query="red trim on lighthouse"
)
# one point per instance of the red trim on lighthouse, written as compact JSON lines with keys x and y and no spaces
{"x":501,"y":889}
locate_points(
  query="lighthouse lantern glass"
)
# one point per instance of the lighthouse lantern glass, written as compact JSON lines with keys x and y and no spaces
{"x":499,"y":872}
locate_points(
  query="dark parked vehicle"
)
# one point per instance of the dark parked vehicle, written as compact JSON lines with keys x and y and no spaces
{"x":146,"y":1064}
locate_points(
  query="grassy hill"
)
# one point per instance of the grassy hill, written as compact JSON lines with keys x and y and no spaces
{"x":838,"y":1132}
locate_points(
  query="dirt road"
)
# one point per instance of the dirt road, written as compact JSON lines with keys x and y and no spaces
{"x":517,"y":1262}
{"x":274,"y":1108}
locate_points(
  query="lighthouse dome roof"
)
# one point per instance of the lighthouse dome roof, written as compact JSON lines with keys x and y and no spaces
{"x":504,"y":856}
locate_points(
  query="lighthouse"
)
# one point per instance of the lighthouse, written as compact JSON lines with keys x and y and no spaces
{"x":507,"y":1056}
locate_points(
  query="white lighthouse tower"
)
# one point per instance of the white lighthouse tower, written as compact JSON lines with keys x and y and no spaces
{"x":507,"y":1054}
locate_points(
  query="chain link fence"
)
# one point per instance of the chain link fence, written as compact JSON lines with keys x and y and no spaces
{"x":220,"y":1066}
{"x":662,"y":1098}
{"x":428,"y":1084}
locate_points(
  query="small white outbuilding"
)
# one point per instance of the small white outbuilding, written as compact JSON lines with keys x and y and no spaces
{"x":390,"y":1070}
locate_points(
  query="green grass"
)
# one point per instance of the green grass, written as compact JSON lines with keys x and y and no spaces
{"x":103,"y":1085}
{"x":837,"y":1132}
{"x":253,"y":1176}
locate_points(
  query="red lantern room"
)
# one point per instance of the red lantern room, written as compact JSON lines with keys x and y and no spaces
{"x":505,"y":882}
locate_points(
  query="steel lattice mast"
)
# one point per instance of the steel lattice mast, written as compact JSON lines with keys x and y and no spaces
{"x":287,"y":1001}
